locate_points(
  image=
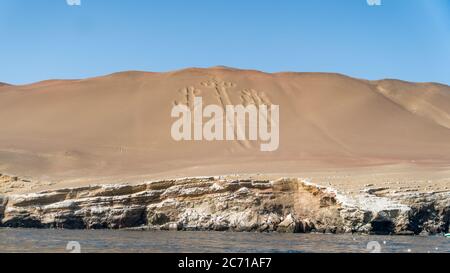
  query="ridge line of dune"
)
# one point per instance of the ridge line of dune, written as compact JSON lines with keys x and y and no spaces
{"x":226,"y":68}
{"x":383,"y":91}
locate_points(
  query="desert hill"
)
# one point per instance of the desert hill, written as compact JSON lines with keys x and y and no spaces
{"x":119,"y":125}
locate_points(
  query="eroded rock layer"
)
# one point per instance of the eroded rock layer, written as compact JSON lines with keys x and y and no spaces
{"x":221,"y":204}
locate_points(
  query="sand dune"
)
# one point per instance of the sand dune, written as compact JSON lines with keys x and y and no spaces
{"x":427,"y":100}
{"x":119,"y":125}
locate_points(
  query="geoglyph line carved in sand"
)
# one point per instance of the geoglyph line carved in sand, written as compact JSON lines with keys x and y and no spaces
{"x":252,"y":96}
{"x":188,"y":95}
{"x":244,"y":121}
{"x":221,"y":87}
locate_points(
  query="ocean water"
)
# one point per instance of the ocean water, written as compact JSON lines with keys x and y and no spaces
{"x":42,"y":240}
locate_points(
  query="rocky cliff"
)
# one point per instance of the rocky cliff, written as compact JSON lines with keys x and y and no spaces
{"x":223,"y":204}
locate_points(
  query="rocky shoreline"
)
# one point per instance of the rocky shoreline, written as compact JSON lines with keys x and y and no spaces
{"x":224,"y":204}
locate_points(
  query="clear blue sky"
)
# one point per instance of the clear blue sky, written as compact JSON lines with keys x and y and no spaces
{"x":47,"y":39}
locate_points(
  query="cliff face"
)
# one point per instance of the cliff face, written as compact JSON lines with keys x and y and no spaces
{"x":221,"y":204}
